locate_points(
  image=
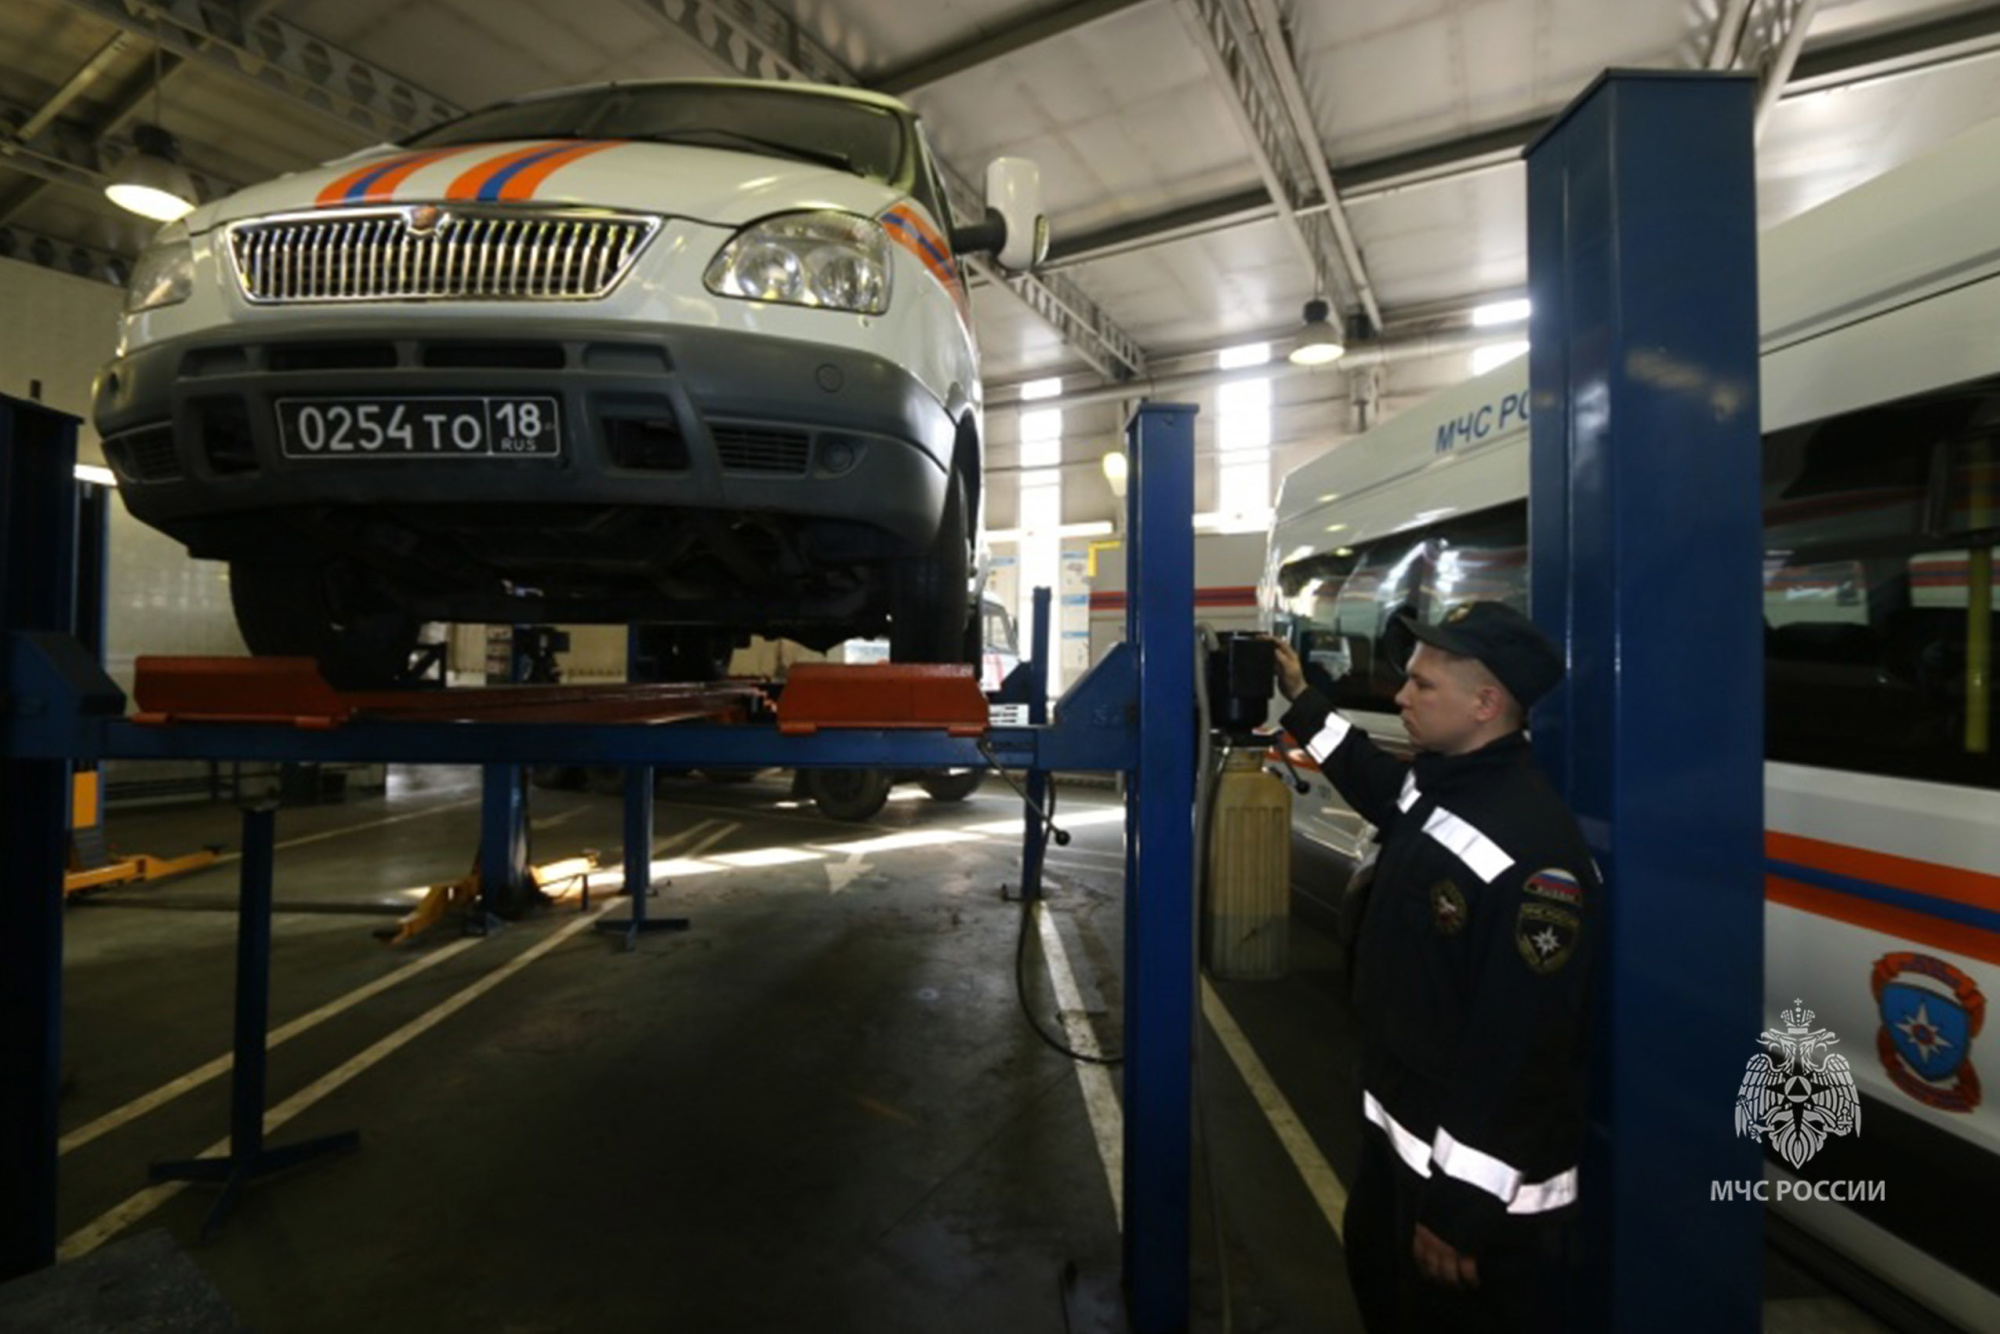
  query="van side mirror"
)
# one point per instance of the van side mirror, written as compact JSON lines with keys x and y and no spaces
{"x":1014,"y":230}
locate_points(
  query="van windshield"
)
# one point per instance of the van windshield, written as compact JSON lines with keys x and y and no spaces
{"x":837,"y":132}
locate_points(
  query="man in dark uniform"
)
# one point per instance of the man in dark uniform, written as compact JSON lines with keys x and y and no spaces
{"x":1469,"y":986}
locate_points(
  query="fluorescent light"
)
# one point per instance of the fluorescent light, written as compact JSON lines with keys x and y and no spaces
{"x":1487,"y":358}
{"x":1035,"y":389}
{"x":1500,"y":312}
{"x":1237,"y":358}
{"x":91,"y":472}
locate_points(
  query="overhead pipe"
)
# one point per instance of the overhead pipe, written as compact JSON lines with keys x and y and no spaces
{"x":1384,"y":353}
{"x":1264,"y":13}
{"x":1728,"y":38}
{"x":1780,"y":71}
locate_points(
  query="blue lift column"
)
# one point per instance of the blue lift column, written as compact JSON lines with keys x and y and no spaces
{"x":1159,"y":871}
{"x":37,"y":593}
{"x":1646,"y":544}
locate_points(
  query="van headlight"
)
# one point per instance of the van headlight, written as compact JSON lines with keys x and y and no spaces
{"x":831,"y":261}
{"x":163,"y":275}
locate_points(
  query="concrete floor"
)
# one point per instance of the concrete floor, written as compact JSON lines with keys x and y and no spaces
{"x":818,"y":1109}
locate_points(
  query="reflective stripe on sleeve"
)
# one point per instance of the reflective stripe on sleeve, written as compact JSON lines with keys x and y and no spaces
{"x":1328,"y":738}
{"x":1409,"y":1148}
{"x":1469,"y":1165}
{"x":1473,"y":848}
{"x":1411,"y":796}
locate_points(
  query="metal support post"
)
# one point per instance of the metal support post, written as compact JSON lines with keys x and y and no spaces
{"x":639,"y":861}
{"x":1159,"y":871}
{"x":503,"y":840}
{"x":248,"y":1158}
{"x":1644,"y":529}
{"x":37,"y":593}
{"x":1035,"y":846}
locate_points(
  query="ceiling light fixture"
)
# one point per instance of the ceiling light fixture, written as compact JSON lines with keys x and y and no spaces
{"x":151,"y":181}
{"x":1318,"y":343}
{"x":1117,"y":471}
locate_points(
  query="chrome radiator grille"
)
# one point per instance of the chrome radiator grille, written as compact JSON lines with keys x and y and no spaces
{"x":422,"y":254}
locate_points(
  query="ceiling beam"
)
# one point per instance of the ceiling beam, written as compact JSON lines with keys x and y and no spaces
{"x":754,"y":39}
{"x":1254,"y":64}
{"x":1840,"y":64}
{"x":280,"y":57}
{"x":1056,"y":21}
{"x":61,"y":153}
{"x":1902,"y":50}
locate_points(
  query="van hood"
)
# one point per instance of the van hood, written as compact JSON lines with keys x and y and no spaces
{"x":710,"y":185}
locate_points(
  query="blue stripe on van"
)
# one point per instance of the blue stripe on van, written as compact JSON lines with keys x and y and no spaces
{"x":1909,"y":900}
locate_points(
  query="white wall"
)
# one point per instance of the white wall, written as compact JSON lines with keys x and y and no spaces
{"x":59,"y":329}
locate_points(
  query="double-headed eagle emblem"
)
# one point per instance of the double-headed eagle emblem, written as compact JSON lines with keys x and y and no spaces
{"x":1796,"y":1091}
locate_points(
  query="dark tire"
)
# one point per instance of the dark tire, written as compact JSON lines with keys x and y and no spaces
{"x":848,"y":794}
{"x":333,"y":613}
{"x":953,"y":784}
{"x":931,"y":601}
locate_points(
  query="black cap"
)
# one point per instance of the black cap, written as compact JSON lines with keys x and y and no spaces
{"x":1511,"y":646}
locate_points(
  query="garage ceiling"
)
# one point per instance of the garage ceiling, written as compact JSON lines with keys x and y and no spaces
{"x":1184,"y":144}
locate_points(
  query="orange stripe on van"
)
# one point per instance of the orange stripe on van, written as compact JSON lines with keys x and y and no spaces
{"x":1973,"y":888}
{"x":469,"y":184}
{"x":522,"y":185}
{"x":1899,"y":923}
{"x":376,"y":183}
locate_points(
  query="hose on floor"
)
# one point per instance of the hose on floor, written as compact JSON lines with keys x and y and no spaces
{"x":1021,"y":978}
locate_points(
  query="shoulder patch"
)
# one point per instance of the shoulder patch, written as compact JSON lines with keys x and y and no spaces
{"x":1556,"y":885}
{"x":1448,"y":909}
{"x":1546,"y":935}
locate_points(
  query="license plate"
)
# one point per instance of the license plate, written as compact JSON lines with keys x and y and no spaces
{"x":431,"y":428}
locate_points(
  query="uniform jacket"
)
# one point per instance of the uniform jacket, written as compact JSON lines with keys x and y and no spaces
{"x":1470,"y":974}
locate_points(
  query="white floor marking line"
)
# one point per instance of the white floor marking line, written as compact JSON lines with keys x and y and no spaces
{"x":694,"y":853}
{"x":345,"y":830}
{"x":1100,"y":1098}
{"x":694,"y":830}
{"x":116,"y":1219}
{"x":1319,"y":1176}
{"x":201,"y":1074}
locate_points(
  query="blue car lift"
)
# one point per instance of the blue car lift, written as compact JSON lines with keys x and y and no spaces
{"x":1645,"y":539}
{"x":1131,"y":713}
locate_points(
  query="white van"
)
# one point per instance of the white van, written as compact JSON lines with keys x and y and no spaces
{"x":1881,"y":415}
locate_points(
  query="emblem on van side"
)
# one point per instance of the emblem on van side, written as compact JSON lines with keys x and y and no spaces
{"x":1931,"y":1012}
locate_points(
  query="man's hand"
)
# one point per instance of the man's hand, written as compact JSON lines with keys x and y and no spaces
{"x":1440,"y":1263}
{"x":1291,"y":674}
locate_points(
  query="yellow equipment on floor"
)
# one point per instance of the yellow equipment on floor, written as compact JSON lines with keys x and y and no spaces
{"x":91,"y":865}
{"x":440,"y":901}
